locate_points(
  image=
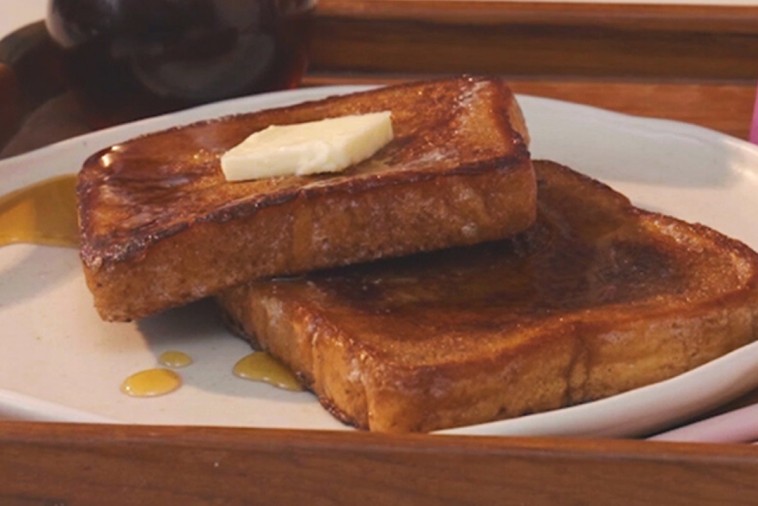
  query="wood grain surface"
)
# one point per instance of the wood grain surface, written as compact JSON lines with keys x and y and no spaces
{"x":43,"y":464}
{"x":537,"y":39}
{"x":689,"y":63}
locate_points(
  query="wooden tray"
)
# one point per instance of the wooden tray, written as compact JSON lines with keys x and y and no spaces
{"x":696,"y":64}
{"x":51,"y":464}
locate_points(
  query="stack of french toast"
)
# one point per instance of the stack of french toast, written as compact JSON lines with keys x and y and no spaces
{"x":446,"y":280}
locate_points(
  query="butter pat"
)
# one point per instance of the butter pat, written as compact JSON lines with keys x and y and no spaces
{"x":329,"y":145}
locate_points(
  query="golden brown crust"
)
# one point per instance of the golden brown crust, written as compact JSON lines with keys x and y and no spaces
{"x":598,"y":298}
{"x":161,"y":227}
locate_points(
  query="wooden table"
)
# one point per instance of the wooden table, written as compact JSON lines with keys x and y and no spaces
{"x":696,"y":64}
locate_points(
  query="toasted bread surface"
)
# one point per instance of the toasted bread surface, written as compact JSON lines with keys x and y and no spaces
{"x":597,"y":298}
{"x":160,"y":226}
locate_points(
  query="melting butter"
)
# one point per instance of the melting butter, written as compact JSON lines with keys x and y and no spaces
{"x":43,"y":213}
{"x":260,"y":366}
{"x":328,"y":145}
{"x":151,"y":383}
{"x":174,"y":359}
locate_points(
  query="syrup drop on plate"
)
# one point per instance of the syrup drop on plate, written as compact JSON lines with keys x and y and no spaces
{"x":151,"y":383}
{"x":260,"y":366}
{"x":174,"y":359}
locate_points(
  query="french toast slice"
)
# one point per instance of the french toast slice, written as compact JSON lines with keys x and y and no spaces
{"x":597,"y":298}
{"x":160,"y":226}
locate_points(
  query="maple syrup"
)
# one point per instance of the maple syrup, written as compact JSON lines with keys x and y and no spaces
{"x":260,"y":366}
{"x":43,"y":213}
{"x":128,"y":59}
{"x":174,"y":359}
{"x":151,"y":383}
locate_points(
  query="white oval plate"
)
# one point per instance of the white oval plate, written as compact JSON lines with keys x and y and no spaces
{"x":61,"y":362}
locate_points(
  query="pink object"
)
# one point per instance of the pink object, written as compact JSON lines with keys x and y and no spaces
{"x":738,"y":426}
{"x":754,"y":125}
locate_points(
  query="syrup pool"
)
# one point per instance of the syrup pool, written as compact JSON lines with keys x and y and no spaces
{"x":43,"y":213}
